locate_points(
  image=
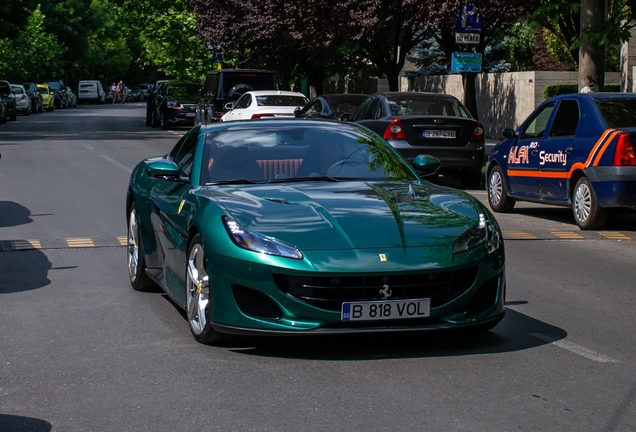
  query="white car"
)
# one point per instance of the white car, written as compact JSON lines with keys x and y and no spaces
{"x":22,"y":99}
{"x":264,"y":104}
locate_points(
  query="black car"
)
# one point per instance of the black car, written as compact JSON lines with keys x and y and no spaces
{"x":331,"y":106}
{"x":228,"y":85}
{"x":36,"y":97}
{"x":59,"y":90}
{"x":175,"y":104}
{"x":435,"y":124}
{"x":8,"y":100}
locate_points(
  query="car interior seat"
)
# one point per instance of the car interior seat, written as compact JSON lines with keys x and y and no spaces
{"x":324,"y":151}
{"x":231,"y":163}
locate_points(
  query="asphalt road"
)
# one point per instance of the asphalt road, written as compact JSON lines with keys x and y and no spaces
{"x":81,"y":351}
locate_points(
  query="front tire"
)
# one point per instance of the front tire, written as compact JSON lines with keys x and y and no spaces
{"x":198,"y":296}
{"x":139,"y":280}
{"x":498,"y":193}
{"x":588,"y":214}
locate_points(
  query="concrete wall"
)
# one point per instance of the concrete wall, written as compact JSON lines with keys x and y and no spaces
{"x":504,"y":100}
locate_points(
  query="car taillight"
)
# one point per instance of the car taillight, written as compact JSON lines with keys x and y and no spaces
{"x":218,"y":114}
{"x":394,"y":130}
{"x":23,"y":97}
{"x":478,"y":133}
{"x":258,"y":116}
{"x":624,"y":152}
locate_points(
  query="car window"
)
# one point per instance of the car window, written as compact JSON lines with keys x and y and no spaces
{"x":280,"y":100}
{"x":618,"y":112}
{"x":375,"y":109}
{"x":362,"y":109}
{"x":183,"y":152}
{"x":182,"y":90}
{"x":17,"y":90}
{"x":566,"y":119}
{"x":315,"y":108}
{"x":244,"y":101}
{"x":536,"y":125}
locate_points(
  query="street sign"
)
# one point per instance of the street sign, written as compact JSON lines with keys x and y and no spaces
{"x":468,"y":20}
{"x":466,"y":62}
{"x":467,"y":38}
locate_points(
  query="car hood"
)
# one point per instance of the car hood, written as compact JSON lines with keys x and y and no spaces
{"x":350,"y":215}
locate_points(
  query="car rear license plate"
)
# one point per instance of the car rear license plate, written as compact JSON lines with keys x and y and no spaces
{"x":444,"y":134}
{"x":190,"y":114}
{"x":385,"y":310}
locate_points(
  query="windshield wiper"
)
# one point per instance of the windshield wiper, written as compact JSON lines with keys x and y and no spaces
{"x":234,"y":181}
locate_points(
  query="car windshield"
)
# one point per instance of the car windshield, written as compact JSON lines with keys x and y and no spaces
{"x":426,"y":105}
{"x":618,"y":112}
{"x":44,"y":91}
{"x":183,"y":90}
{"x":87,"y":86}
{"x":280,"y":100}
{"x":55,"y":85}
{"x":274,"y":151}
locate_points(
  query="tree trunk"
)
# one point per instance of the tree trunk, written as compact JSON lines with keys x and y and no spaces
{"x":591,"y":55}
{"x":394,"y":80}
{"x":470,"y":93}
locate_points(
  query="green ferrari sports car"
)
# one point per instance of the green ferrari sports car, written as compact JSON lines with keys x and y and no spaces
{"x":289,"y":227}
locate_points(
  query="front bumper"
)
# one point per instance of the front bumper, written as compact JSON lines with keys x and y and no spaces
{"x":480,"y":304}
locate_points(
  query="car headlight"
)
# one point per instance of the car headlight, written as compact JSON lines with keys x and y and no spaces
{"x":482,"y":232}
{"x":172,"y":104}
{"x":259,"y":243}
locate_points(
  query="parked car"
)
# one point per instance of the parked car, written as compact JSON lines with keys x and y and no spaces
{"x":264,"y":103}
{"x":8,"y":97}
{"x":145,"y":90}
{"x":48,"y":96}
{"x":574,"y":150}
{"x":3,"y":111}
{"x":331,"y":106}
{"x":431,"y":123}
{"x":91,"y":91}
{"x":175,"y":104}
{"x":296,"y":227}
{"x":228,"y":85}
{"x":59,"y":92}
{"x":22,"y":100}
{"x":36,"y":97}
{"x":71,"y":98}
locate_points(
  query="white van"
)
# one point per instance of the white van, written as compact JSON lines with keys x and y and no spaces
{"x":91,"y":91}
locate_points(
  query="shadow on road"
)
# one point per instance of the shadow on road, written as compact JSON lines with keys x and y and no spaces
{"x":23,"y":424}
{"x":23,"y":271}
{"x":13,"y":214}
{"x":514,"y":333}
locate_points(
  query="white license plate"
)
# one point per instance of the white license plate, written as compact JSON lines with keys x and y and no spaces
{"x":445,"y":134}
{"x":385,"y":310}
{"x":190,"y":114}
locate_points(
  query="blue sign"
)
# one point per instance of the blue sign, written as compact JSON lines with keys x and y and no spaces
{"x":466,"y":62}
{"x":468,"y":20}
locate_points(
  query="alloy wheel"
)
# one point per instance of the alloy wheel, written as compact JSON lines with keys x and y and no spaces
{"x":495,"y":188}
{"x":133,"y":246}
{"x":197,"y":290}
{"x":582,"y":202}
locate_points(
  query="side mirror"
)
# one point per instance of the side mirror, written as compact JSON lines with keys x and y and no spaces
{"x":163,"y":169}
{"x":297,"y":111}
{"x":345,"y":117}
{"x":229,"y":106}
{"x":508,"y":133}
{"x":426,"y":165}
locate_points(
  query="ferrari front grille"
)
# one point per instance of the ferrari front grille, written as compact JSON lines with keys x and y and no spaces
{"x":329,"y":292}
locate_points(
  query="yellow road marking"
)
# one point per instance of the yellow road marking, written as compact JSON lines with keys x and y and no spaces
{"x":567,"y":234}
{"x":80,"y":242}
{"x":123,"y":240}
{"x":614,"y":235}
{"x":519,"y":235}
{"x":27,"y":244}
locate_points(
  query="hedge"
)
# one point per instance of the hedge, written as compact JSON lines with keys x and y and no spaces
{"x":559,"y":89}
